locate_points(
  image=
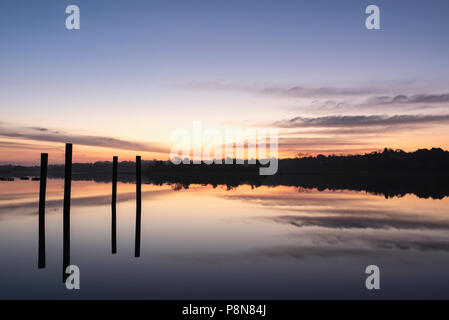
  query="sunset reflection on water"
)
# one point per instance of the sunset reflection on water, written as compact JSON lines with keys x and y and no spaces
{"x":243,"y":242}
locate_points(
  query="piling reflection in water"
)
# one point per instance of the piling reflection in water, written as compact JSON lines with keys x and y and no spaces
{"x":138,"y":205}
{"x":43,"y":187}
{"x":66,"y":210}
{"x":114,"y":206}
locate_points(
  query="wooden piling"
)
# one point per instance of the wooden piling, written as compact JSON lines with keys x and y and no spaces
{"x":114,"y":205}
{"x":138,"y":205}
{"x":66,"y":210}
{"x":42,"y":193}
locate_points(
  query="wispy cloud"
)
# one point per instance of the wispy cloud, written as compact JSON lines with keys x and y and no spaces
{"x":360,"y":121}
{"x":417,"y":98}
{"x":39,"y":129}
{"x":284,"y":90}
{"x":349,"y":131}
{"x":324,"y":99}
{"x":21,"y":146}
{"x":323,"y":142}
{"x":47,"y":135}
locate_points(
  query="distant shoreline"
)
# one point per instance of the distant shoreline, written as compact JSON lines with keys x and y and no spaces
{"x":424,"y":173}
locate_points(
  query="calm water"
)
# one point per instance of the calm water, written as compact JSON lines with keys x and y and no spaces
{"x":206,"y":243}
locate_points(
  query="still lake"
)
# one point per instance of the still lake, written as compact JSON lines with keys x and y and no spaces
{"x":225,"y":243}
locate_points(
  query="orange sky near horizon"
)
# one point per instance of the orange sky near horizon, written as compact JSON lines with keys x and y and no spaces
{"x":27,"y":152}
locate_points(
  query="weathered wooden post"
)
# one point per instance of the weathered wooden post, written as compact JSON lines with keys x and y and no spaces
{"x":138,"y":205}
{"x":42,"y":192}
{"x":66,"y":210}
{"x":114,"y":205}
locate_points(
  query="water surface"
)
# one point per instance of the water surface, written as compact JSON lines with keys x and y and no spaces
{"x":278,"y":242}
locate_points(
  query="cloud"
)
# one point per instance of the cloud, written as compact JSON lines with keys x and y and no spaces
{"x":319,"y":92}
{"x":46,"y":135}
{"x":352,"y":131}
{"x":39,"y":129}
{"x":16,"y":145}
{"x":360,"y":121}
{"x":417,"y":98}
{"x":298,"y":91}
{"x":294,"y":91}
{"x":321,"y":99}
{"x":324,"y":142}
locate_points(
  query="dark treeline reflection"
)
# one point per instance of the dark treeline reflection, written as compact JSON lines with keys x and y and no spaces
{"x":429,"y":185}
{"x":435,"y":186}
{"x":390,"y":173}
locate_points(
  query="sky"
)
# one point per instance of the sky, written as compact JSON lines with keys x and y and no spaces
{"x":138,"y":70}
